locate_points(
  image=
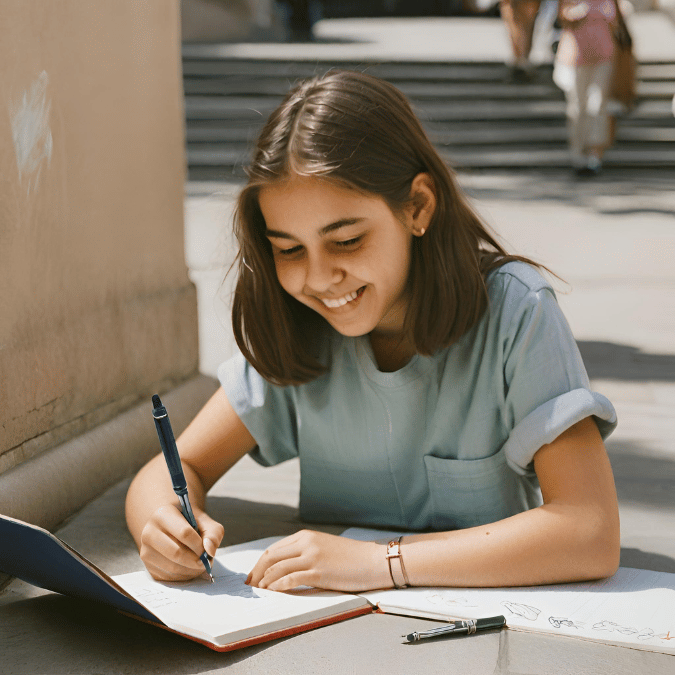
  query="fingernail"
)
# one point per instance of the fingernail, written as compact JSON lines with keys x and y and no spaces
{"x":248,"y":578}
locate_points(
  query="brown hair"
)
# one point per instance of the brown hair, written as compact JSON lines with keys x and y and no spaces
{"x":360,"y":132}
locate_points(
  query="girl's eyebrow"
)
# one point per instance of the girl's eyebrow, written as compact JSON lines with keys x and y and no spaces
{"x":331,"y":227}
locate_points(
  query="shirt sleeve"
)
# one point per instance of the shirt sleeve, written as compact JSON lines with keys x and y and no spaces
{"x":267,"y":411}
{"x":545,"y":382}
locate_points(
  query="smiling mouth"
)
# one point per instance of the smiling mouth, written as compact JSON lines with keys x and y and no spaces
{"x":334,"y":303}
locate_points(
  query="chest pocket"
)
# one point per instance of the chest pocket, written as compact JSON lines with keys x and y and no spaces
{"x":466,"y":493}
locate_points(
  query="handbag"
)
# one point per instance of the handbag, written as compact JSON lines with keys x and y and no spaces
{"x":622,"y":87}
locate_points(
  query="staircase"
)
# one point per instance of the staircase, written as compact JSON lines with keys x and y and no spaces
{"x":477,"y":119}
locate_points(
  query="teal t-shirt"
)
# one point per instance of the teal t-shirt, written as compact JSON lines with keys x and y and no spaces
{"x":445,"y":442}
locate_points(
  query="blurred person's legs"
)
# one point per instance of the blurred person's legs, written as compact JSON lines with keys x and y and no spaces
{"x":519,"y":17}
{"x":668,"y":8}
{"x":598,"y":139}
{"x":577,"y":122}
{"x":586,"y":89}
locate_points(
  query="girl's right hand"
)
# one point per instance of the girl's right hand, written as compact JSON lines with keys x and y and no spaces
{"x":170,"y":547}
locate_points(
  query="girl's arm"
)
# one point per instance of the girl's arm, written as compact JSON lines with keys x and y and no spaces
{"x":212,"y":444}
{"x":574,"y":536}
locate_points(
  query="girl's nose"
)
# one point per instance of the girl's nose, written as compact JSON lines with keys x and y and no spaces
{"x":322,"y":273}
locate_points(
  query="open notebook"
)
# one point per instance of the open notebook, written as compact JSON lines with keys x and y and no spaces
{"x":224,"y":615}
{"x":635,"y":608}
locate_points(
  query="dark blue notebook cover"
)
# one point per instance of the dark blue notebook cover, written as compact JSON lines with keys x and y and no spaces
{"x":38,"y":557}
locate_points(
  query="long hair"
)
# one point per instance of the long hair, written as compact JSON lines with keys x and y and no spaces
{"x":359,"y":132}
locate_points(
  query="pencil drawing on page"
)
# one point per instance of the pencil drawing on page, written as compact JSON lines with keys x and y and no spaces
{"x":519,"y":609}
{"x":441,"y":598}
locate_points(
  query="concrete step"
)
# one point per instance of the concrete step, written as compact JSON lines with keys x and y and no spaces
{"x":467,"y":134}
{"x":534,"y":156}
{"x":500,"y":156}
{"x":277,"y":88}
{"x":472,"y":113}
{"x":422,"y":72}
{"x":443,"y":71}
{"x":253,"y":108}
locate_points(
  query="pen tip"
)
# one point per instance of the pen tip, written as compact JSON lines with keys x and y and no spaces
{"x":156,"y":402}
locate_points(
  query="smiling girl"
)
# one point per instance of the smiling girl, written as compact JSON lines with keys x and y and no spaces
{"x":425,"y":378}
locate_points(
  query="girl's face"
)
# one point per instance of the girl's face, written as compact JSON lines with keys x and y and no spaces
{"x":340,"y":252}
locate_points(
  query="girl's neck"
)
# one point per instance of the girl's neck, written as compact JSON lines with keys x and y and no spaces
{"x":392,"y":350}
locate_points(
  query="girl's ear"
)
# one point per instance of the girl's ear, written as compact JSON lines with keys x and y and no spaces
{"x":422,"y":203}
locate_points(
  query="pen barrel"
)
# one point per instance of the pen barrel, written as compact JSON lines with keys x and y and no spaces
{"x":490,"y":622}
{"x":168,"y":444}
{"x":186,"y":508}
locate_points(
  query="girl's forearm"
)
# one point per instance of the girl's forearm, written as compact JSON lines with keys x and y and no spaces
{"x":549,"y":544}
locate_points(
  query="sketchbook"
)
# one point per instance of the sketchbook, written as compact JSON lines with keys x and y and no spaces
{"x":634,"y":608}
{"x":224,"y":615}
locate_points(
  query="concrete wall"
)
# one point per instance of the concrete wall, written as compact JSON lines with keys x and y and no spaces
{"x":96,"y":309}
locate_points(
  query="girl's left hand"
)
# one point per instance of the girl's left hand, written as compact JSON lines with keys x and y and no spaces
{"x":309,"y":558}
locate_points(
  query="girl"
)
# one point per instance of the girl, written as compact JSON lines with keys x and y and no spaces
{"x":583,"y":70}
{"x":426,"y":379}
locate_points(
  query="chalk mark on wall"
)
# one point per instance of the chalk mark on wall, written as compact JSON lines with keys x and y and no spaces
{"x":31,"y":133}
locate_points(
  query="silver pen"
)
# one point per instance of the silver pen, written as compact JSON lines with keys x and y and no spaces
{"x":464,"y":627}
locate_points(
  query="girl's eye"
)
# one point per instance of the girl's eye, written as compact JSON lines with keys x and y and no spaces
{"x":289,"y":251}
{"x":349,"y":242}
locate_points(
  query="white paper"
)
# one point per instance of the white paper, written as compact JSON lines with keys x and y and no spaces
{"x":228,"y":610}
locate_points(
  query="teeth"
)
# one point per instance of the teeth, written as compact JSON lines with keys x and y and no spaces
{"x":339,"y":302}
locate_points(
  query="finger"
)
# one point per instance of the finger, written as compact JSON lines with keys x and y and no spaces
{"x":167,"y":558}
{"x":292,"y":580}
{"x":161,"y":573}
{"x":283,"y":573}
{"x":168,"y":536}
{"x":271,"y":557}
{"x":172,"y":521}
{"x":212,"y":532}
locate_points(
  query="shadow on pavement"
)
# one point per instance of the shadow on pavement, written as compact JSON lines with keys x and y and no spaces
{"x":642,"y":478}
{"x":611,"y":361}
{"x":643,"y":560}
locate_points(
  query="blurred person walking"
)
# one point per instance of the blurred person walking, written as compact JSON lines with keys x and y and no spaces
{"x":519,"y":17}
{"x":668,"y":8}
{"x":583,"y":70}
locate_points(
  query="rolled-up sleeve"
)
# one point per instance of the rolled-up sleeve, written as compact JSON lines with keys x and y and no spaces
{"x":267,"y":411}
{"x":546,"y":387}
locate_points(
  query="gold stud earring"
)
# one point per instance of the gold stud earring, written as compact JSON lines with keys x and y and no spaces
{"x":421,"y":231}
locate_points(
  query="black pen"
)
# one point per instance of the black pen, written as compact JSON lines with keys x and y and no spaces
{"x":466,"y":627}
{"x":168,"y":443}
